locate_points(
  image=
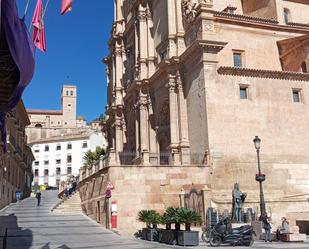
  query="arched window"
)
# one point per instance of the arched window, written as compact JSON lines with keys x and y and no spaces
{"x":38,"y":126}
{"x":304,"y":67}
{"x":287,"y":15}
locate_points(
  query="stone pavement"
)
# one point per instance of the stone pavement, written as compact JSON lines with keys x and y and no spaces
{"x":32,"y":227}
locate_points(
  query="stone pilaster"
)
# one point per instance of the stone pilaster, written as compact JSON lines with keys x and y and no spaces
{"x":184,"y":144}
{"x":137,"y":133}
{"x":180,"y":30}
{"x":174,"y":120}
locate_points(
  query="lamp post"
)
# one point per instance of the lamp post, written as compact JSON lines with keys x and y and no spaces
{"x":260,"y":177}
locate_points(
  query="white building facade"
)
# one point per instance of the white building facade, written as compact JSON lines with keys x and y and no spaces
{"x":57,"y":158}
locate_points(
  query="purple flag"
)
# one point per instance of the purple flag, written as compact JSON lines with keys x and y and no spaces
{"x":21,"y":49}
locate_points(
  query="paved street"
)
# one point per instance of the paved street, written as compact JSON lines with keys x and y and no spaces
{"x":30,"y":226}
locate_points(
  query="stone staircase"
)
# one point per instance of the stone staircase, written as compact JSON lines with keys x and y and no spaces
{"x":71,"y":205}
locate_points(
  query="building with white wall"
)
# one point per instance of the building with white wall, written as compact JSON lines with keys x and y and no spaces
{"x":58,"y":157}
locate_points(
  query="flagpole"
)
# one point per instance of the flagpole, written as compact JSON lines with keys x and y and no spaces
{"x":26,"y":10}
{"x":41,"y":21}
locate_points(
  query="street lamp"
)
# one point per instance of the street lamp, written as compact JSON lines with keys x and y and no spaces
{"x":260,"y":177}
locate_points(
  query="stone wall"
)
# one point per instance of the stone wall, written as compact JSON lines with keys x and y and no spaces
{"x":137,"y":188}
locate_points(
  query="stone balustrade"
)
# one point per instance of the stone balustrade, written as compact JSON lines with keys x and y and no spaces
{"x":86,"y":172}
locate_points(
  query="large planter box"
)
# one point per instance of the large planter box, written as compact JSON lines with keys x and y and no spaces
{"x":168,"y":236}
{"x":188,"y":238}
{"x":150,"y":234}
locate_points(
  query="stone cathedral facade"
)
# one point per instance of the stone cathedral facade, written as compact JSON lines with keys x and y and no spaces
{"x":190,"y":84}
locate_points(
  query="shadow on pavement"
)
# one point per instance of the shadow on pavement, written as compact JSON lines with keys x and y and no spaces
{"x":13,"y":236}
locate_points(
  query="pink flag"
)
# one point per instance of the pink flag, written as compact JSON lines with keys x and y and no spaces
{"x":38,"y":35}
{"x":66,"y":6}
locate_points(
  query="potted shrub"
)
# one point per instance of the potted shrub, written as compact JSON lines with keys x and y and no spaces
{"x":187,"y":217}
{"x":152,"y":219}
{"x":168,"y":235}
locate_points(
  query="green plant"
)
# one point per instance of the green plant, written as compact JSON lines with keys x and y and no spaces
{"x":150,"y":217}
{"x":171,"y":217}
{"x":91,"y":157}
{"x":187,"y":216}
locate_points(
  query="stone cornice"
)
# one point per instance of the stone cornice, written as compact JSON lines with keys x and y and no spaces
{"x":268,"y":74}
{"x":258,"y":22}
{"x":244,"y":17}
{"x":212,"y":47}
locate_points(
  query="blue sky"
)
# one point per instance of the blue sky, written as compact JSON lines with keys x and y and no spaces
{"x":76,"y":45}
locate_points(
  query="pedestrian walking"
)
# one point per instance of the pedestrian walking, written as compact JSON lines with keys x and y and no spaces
{"x":18,"y":194}
{"x":267,"y":226}
{"x":38,"y":196}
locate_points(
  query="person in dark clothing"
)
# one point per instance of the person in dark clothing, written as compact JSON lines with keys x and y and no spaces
{"x":266,"y":226}
{"x":38,"y":196}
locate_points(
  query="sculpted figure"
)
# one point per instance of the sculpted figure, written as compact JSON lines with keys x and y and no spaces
{"x":188,"y":9}
{"x":238,"y":202}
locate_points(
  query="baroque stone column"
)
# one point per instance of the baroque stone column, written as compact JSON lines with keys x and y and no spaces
{"x":174,"y":119}
{"x":153,"y":143}
{"x":144,"y":127}
{"x":184,"y":144}
{"x":118,"y":72}
{"x":143,"y":49}
{"x":150,"y":43}
{"x":118,"y":138}
{"x":171,"y":27}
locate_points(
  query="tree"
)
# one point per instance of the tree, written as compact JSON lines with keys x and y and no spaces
{"x":91,"y":157}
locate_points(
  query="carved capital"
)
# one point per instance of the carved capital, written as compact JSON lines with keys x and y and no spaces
{"x":142,"y":15}
{"x":172,"y":83}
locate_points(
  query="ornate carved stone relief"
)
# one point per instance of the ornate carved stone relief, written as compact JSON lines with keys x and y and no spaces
{"x":189,"y":8}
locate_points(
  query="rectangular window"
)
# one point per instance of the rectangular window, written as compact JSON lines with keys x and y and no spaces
{"x":46,"y":162}
{"x":46,"y":148}
{"x":296,"y":96}
{"x":46,"y":172}
{"x":58,"y":147}
{"x":237,"y":57}
{"x":58,"y":161}
{"x":69,"y":170}
{"x":36,"y":151}
{"x":58,"y":171}
{"x":69,"y":146}
{"x":243,"y":92}
{"x":36,"y":163}
{"x":69,"y":159}
{"x":36,"y":172}
{"x":85,"y":145}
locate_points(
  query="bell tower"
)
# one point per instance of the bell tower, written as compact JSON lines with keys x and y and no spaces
{"x":68,"y":97}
